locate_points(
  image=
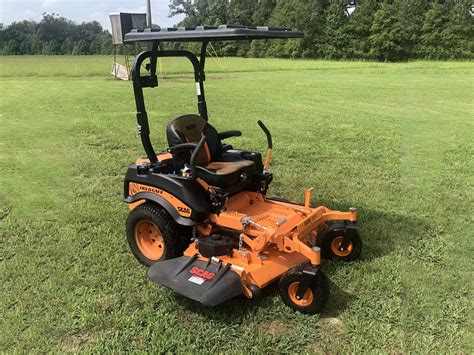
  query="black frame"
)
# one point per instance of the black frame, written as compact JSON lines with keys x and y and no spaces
{"x":140,"y":82}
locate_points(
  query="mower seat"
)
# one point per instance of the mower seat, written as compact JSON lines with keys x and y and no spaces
{"x":214,"y":166}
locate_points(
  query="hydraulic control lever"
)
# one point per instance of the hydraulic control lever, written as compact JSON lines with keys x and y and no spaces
{"x":192,"y":162}
{"x":268,"y":156}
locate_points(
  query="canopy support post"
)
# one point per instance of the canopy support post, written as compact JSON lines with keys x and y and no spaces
{"x":200,"y":77}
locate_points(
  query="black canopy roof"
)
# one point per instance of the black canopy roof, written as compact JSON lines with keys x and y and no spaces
{"x":208,"y":33}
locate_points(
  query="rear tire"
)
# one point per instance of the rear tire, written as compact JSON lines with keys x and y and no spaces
{"x":315,"y":296}
{"x":154,"y":236}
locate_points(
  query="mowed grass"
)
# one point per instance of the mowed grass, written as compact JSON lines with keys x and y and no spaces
{"x":394,"y":140}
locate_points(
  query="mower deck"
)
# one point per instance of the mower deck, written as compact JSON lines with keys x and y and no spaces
{"x":260,"y":271}
{"x":278,"y":238}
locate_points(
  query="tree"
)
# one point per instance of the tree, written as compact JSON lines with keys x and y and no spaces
{"x":241,"y":12}
{"x":359,"y":28}
{"x":388,"y":34}
{"x":263,"y":11}
{"x":182,"y":7}
{"x":412,"y":17}
{"x":462,"y":28}
{"x":19,"y":38}
{"x":55,"y":35}
{"x":387,"y":30}
{"x":434,"y":39}
{"x":337,"y":36}
{"x":213,"y":12}
{"x":304,"y":15}
{"x":261,"y":17}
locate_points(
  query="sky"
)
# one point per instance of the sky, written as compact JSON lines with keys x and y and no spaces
{"x":83,"y":10}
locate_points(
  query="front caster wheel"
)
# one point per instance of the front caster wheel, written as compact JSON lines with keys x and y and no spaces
{"x":332,"y":240}
{"x":154,"y":236}
{"x":314,"y":297}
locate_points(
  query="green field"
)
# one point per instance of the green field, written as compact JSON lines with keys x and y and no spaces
{"x":394,"y":140}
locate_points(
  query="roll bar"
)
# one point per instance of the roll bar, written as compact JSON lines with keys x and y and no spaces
{"x":151,"y":80}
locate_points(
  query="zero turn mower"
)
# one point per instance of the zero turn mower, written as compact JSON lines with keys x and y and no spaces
{"x":200,"y":218}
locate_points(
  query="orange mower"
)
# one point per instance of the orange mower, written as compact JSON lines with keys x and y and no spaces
{"x":200,"y":218}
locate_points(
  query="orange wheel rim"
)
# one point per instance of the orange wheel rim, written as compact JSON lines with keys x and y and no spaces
{"x":336,"y":244}
{"x":149,"y":240}
{"x":306,"y":300}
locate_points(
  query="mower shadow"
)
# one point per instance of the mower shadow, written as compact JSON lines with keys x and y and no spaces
{"x":236,"y":310}
{"x":382,"y":233}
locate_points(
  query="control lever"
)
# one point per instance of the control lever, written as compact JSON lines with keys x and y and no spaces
{"x":192,"y":162}
{"x":266,"y":164}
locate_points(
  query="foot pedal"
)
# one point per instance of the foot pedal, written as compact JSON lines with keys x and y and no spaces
{"x":202,"y":281}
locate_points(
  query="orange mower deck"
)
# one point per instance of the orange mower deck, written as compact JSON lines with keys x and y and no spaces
{"x":273,"y":237}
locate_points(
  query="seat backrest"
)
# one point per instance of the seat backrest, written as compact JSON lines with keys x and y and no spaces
{"x":190,"y":129}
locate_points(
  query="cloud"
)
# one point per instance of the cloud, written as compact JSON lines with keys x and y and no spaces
{"x":28,"y":14}
{"x":48,"y":3}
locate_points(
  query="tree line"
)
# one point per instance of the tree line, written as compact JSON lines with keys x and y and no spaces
{"x":55,"y":35}
{"x":384,"y":30}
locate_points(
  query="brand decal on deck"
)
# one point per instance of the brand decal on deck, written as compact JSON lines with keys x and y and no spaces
{"x":197,"y":271}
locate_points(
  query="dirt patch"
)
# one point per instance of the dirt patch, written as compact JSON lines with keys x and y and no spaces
{"x":332,"y":321}
{"x":273,"y":327}
{"x":76,"y":341}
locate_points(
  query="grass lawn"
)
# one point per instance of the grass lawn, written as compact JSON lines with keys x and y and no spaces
{"x":394,"y":140}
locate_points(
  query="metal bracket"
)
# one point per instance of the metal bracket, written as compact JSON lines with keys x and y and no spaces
{"x":281,"y":221}
{"x":306,"y":279}
{"x":246,"y":221}
{"x":351,"y":230}
{"x":149,"y":81}
{"x":218,"y":201}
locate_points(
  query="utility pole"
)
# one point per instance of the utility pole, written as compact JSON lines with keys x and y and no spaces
{"x":148,"y":13}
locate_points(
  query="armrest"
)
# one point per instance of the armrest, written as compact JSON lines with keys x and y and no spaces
{"x":182,"y":147}
{"x":228,"y":134}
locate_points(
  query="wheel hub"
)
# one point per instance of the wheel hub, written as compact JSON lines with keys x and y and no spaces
{"x":336,"y":247}
{"x":149,"y":240}
{"x":304,"y":301}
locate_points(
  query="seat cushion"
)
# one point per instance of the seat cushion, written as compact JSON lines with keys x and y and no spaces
{"x":232,"y":155}
{"x":224,"y":168}
{"x":225,"y":174}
